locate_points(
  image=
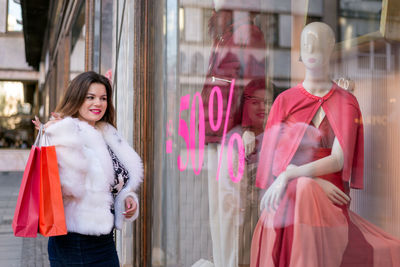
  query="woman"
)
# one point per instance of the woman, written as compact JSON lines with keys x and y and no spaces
{"x":312,"y":152}
{"x":233,"y":206}
{"x":99,"y":173}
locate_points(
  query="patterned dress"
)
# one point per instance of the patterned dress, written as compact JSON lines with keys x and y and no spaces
{"x":121,"y":177}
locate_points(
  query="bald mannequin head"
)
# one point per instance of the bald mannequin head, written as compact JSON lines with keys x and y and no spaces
{"x":317,"y":43}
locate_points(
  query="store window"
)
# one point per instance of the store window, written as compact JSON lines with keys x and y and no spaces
{"x":16,"y":101}
{"x":78,"y":32}
{"x":102,"y":39}
{"x":357,"y":18}
{"x":106,"y":37}
{"x":276,"y":133}
{"x":14,"y":16}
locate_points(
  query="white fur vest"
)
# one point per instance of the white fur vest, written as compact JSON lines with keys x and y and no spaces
{"x":86,"y":174}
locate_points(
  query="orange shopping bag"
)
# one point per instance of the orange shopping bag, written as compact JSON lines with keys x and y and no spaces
{"x":26,"y":215}
{"x":51,"y":211}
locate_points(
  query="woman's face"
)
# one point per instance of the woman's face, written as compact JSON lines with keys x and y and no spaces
{"x":315,"y":51}
{"x":256,"y":108}
{"x":95,"y":104}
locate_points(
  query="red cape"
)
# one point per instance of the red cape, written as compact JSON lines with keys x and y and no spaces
{"x":288,"y":119}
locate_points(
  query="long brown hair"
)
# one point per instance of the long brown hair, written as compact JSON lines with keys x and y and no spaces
{"x":76,"y":93}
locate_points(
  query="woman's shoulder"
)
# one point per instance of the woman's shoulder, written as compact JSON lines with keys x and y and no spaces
{"x":108,"y":131}
{"x":64,"y":126}
{"x":103,"y":126}
{"x":71,"y":131}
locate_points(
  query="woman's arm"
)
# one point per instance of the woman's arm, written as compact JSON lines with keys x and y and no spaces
{"x":127,"y":204}
{"x":55,"y":117}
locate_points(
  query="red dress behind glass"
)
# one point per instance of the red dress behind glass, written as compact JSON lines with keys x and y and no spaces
{"x":307,"y":229}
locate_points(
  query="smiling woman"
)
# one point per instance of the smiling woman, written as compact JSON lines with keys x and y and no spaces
{"x":95,"y":104}
{"x":89,"y":98}
{"x":99,"y":174}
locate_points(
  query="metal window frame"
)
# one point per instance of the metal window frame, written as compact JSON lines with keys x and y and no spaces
{"x":143,"y":72}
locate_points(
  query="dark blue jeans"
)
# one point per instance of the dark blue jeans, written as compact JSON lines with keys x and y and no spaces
{"x":82,"y":250}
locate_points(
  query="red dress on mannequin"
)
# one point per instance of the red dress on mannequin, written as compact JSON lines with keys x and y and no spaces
{"x":307,"y":229}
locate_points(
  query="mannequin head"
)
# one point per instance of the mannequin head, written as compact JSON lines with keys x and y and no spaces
{"x":316,"y":45}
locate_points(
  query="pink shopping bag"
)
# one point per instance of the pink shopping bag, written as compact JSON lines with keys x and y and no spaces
{"x":51,"y":208}
{"x":26,"y":215}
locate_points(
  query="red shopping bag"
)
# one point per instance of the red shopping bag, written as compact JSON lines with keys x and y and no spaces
{"x":51,"y":208}
{"x":26,"y":215}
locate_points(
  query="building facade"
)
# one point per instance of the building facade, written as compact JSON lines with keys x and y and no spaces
{"x":19,"y":94}
{"x":182,"y":71}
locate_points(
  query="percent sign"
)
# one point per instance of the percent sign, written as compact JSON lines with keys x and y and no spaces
{"x":189,"y":138}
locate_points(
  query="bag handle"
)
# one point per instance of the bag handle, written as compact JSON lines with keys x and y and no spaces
{"x":46,"y":139}
{"x":39,"y":136}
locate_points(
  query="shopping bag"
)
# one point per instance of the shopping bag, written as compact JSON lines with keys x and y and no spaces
{"x":51,"y":208}
{"x":26,"y":215}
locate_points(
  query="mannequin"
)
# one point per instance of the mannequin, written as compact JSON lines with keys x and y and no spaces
{"x":317,"y":43}
{"x":312,"y":153}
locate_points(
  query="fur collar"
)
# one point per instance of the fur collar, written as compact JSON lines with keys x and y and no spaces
{"x":86,"y":173}
{"x":128,"y":157}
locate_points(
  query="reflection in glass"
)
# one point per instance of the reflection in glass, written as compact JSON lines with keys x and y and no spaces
{"x":102,"y":37}
{"x":77,"y":60}
{"x":15,"y":115}
{"x":106,"y":36}
{"x":14,"y":18}
{"x":197,"y":219}
{"x":358,"y":17}
{"x":237,"y":56}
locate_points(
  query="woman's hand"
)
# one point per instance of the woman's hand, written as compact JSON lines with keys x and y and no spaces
{"x":334,"y":194}
{"x":274,"y":193}
{"x":130,"y":207}
{"x":55,"y":117}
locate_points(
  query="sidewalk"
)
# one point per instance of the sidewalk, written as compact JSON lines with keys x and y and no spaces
{"x":16,"y":251}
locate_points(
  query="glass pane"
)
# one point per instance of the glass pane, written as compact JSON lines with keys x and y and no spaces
{"x":77,"y":60}
{"x":96,"y":35}
{"x":14,"y":19}
{"x":106,"y":36}
{"x":268,"y":119}
{"x":214,"y":60}
{"x":103,"y":37}
{"x":16,"y":101}
{"x":358,"y":17}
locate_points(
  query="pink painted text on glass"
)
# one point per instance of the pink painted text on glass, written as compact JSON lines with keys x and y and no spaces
{"x":188,"y":133}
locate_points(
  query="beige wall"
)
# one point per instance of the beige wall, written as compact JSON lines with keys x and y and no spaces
{"x":13,"y":160}
{"x":3,"y":17}
{"x":13,"y":52}
{"x":13,"y":65}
